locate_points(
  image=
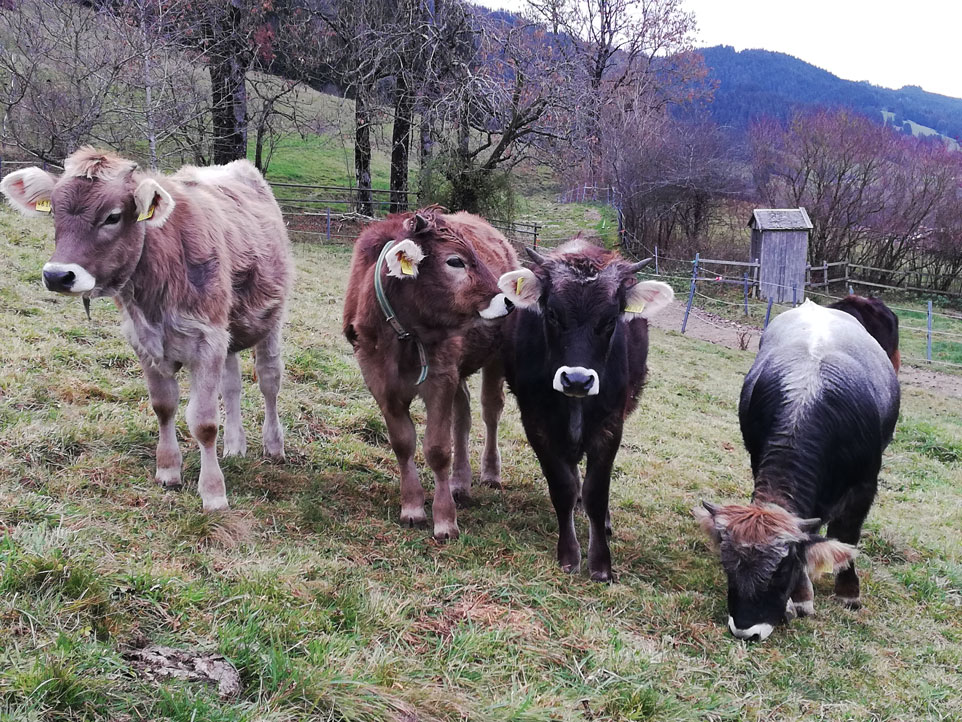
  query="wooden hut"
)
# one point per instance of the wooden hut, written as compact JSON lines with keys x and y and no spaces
{"x":780,"y":245}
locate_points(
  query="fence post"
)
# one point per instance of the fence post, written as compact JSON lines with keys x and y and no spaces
{"x":928,"y":336}
{"x":745,"y":282}
{"x":328,"y":224}
{"x":851,"y":291}
{"x":755,"y":289}
{"x":847,"y":285}
{"x":794,"y":295}
{"x":825,"y":263}
{"x":768,"y":311}
{"x":536,"y":235}
{"x":691,"y":293}
{"x":657,"y":272}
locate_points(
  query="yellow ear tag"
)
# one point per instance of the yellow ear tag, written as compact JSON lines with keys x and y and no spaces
{"x":43,"y":206}
{"x":146,"y":215}
{"x":517,"y":286}
{"x":637,"y":308}
{"x":407,"y":268}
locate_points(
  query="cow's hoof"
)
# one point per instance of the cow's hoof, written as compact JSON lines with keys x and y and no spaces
{"x":492,"y":482}
{"x":462,"y":497}
{"x":571,"y":567}
{"x":414,"y":518}
{"x":852,"y":603}
{"x":234,"y":450}
{"x":446,"y":531}
{"x":169,"y":478}
{"x":602,"y":575}
{"x":803,"y":609}
{"x":277,"y":455}
{"x":217,"y":503}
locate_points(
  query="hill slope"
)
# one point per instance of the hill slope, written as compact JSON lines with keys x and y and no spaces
{"x":752,"y":83}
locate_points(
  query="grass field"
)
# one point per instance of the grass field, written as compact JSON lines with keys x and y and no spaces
{"x":331,"y":611}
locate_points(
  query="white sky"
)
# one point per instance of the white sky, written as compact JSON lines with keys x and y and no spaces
{"x":886,"y":42}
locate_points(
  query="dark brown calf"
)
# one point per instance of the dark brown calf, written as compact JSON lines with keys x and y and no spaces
{"x":439,"y":275}
{"x":199,"y":264}
{"x":878,"y":319}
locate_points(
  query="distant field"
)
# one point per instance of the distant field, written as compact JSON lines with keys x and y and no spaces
{"x":331,"y":611}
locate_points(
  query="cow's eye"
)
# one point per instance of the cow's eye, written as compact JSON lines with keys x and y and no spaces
{"x":455,"y":262}
{"x":113,"y":219}
{"x":605,"y":327}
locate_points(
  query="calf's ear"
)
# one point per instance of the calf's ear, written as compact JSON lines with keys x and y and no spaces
{"x":827,"y":555}
{"x":521,"y":287}
{"x":29,"y":190}
{"x":154,"y":204}
{"x":647,"y":298}
{"x":404,"y":258}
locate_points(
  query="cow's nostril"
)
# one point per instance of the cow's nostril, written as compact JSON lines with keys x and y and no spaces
{"x":508,"y":305}
{"x":68,"y":278}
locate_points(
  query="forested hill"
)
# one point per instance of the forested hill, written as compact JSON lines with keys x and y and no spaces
{"x":752,"y":83}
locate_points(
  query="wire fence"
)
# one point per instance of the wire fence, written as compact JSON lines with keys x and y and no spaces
{"x":938,"y":341}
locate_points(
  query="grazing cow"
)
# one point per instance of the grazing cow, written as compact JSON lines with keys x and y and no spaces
{"x":419,"y":312}
{"x":198,"y":263}
{"x":818,"y":407}
{"x":575,"y":357}
{"x":879,"y":321}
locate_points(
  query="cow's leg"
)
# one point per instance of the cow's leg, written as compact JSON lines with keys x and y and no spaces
{"x":164,"y":395}
{"x":202,"y":413}
{"x":270,"y":368}
{"x":461,"y":472}
{"x":439,"y":403}
{"x":802,"y":602}
{"x":594,"y":493}
{"x":492,"y":404}
{"x":235,"y":441}
{"x":400,"y":430}
{"x":564,"y":487}
{"x":394,"y":399}
{"x":847,"y":527}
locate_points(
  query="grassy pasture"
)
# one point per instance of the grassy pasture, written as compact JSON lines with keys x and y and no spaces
{"x":331,"y":611}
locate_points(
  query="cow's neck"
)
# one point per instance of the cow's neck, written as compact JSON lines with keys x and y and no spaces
{"x":144,"y":298}
{"x":791,"y":491}
{"x":575,"y":421}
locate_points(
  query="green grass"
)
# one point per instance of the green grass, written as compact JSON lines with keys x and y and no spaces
{"x":331,"y":611}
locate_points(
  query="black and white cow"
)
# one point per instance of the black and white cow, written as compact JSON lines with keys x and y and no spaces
{"x":575,"y":358}
{"x":817,"y":409}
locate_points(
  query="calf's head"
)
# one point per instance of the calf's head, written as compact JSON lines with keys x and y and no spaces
{"x":765,"y":551}
{"x":582,"y":293}
{"x":442,"y":275}
{"x":101,"y":207}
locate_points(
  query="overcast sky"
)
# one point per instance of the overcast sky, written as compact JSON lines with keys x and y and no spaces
{"x":885,"y":42}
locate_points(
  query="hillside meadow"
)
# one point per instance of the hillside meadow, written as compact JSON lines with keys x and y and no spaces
{"x":331,"y":611}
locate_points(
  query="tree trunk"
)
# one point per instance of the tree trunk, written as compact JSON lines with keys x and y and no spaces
{"x":228,"y":71}
{"x":362,"y":154}
{"x":401,"y":145}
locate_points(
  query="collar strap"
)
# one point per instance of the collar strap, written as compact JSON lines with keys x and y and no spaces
{"x":391,"y":317}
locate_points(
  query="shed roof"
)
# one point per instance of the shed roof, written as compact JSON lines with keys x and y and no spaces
{"x":780,"y":219}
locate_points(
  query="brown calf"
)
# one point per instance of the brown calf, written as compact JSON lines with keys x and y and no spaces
{"x":440,"y":277}
{"x":198,"y":263}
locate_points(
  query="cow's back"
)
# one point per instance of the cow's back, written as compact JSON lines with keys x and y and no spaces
{"x":820,"y":402}
{"x":235,"y":244}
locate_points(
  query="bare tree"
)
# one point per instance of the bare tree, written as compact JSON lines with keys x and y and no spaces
{"x":59,"y":71}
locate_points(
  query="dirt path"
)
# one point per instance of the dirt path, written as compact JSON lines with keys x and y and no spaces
{"x":709,"y":327}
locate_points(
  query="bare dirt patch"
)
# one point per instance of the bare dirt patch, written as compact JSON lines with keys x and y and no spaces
{"x":707,"y":326}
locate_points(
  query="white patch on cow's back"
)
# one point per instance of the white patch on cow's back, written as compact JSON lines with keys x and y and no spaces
{"x":556,"y":383}
{"x":496,"y":309}
{"x":83,"y":280}
{"x":762,"y":630}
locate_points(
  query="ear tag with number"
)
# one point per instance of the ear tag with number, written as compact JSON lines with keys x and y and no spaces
{"x":517,"y":286}
{"x":637,"y":308}
{"x":146,"y":215}
{"x":407,"y":268}
{"x":43,"y":206}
